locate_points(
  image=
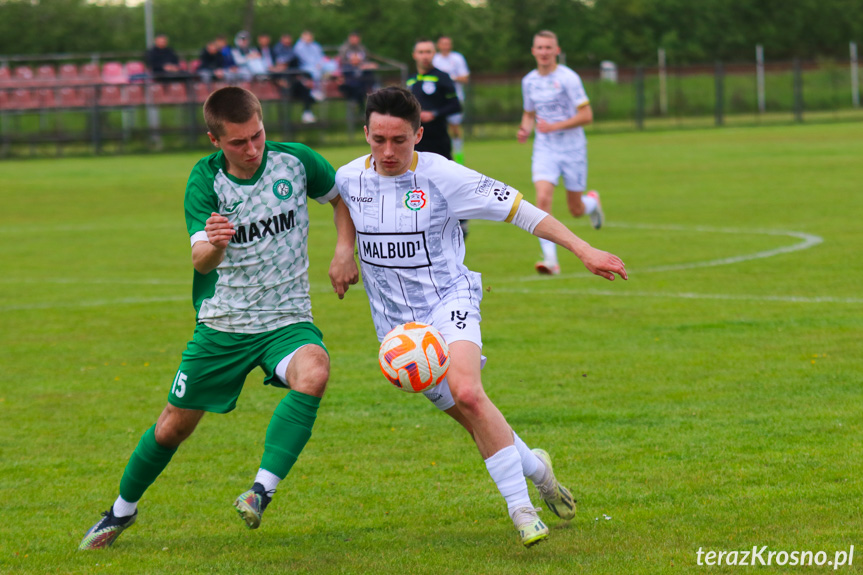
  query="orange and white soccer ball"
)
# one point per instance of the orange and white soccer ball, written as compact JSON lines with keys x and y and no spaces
{"x":414,"y":357}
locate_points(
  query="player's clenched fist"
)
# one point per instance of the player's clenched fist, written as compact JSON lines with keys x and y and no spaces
{"x":219,"y":230}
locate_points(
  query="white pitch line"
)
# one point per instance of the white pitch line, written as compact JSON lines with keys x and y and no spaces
{"x":90,"y":281}
{"x":117,"y":301}
{"x":807,"y":241}
{"x":95,"y":303}
{"x":685,"y":295}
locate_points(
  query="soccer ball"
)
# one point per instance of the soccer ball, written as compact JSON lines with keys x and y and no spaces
{"x":414,"y":357}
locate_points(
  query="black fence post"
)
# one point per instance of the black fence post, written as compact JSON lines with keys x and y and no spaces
{"x":639,"y":98}
{"x":96,"y":120}
{"x":192,"y":108}
{"x":798,"y":91}
{"x":719,"y":78}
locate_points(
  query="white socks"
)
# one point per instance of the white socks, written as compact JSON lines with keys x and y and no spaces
{"x":589,"y":203}
{"x":268,"y":480}
{"x":549,"y":251}
{"x":505,"y":470}
{"x":123,"y":508}
{"x":531,"y":466}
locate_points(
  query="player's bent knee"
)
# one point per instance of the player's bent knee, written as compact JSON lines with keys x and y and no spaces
{"x":175,"y":425}
{"x":469,"y":400}
{"x":313,"y":382}
{"x":309,"y":371}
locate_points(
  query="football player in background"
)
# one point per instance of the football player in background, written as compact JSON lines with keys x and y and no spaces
{"x":556,"y":105}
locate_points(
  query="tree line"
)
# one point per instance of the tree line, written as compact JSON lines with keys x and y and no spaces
{"x":494,"y":35}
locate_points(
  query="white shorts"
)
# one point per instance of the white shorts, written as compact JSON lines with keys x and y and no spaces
{"x":457,"y":319}
{"x":550,"y":166}
{"x":455,"y":119}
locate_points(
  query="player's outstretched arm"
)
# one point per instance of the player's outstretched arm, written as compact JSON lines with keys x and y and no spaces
{"x":343,"y":268}
{"x":597,"y":261}
{"x":206,"y":256}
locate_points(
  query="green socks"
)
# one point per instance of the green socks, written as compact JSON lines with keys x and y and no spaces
{"x":287,"y":435}
{"x":288,"y":432}
{"x":147,"y":462}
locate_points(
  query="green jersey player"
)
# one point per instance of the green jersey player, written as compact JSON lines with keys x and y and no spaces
{"x":247,"y":216}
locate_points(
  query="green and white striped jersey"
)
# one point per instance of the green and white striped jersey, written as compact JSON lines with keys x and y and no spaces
{"x":263,"y":283}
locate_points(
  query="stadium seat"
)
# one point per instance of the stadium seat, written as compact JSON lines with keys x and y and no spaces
{"x":5,"y":76}
{"x":90,"y":73}
{"x":136,"y":71}
{"x":169,"y":93}
{"x":203,"y":89}
{"x":24,"y":76}
{"x":265,"y":90}
{"x":68,"y":74}
{"x":194,"y":65}
{"x":47,"y":97}
{"x":23,"y":99}
{"x":133,"y":95}
{"x":69,"y":97}
{"x":46,"y":75}
{"x":114,"y":73}
{"x":110,"y":95}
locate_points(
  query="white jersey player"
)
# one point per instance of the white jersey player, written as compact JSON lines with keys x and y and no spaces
{"x":454,"y":64}
{"x":556,"y":104}
{"x":405,"y":207}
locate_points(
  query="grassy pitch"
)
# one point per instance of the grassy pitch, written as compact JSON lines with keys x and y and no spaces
{"x":711,"y":402}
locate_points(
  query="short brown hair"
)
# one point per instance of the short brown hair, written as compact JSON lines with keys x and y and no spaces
{"x":231,"y":104}
{"x":546,"y":34}
{"x":394,"y":101}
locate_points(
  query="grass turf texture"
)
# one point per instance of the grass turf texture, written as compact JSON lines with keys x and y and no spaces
{"x":696,"y":405}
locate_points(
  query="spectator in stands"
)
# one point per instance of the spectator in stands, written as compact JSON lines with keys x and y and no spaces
{"x":265,"y":49}
{"x":357,"y":79}
{"x":227,"y":53}
{"x":212,"y":65}
{"x":163,"y":62}
{"x":292,"y":82}
{"x":311,"y":57}
{"x":284,"y":52}
{"x":247,"y":59}
{"x":353,"y":45}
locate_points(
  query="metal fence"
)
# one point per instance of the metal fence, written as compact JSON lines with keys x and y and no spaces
{"x":95,"y":113}
{"x":698,"y":96}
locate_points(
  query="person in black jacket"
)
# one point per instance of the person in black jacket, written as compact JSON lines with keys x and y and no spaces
{"x":163,"y":61}
{"x":212,"y":65}
{"x":436,"y":93}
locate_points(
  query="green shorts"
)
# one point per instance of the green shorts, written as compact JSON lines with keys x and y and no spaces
{"x":215,"y":363}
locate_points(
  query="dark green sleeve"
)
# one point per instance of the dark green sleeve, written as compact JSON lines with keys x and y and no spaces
{"x":201,"y":200}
